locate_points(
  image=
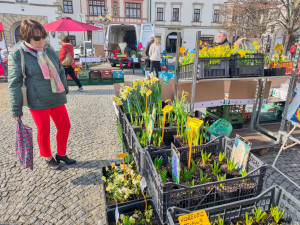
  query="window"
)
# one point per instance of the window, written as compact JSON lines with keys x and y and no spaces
{"x":133,"y":10}
{"x":196,"y":15}
{"x":73,"y":40}
{"x":160,"y":14}
{"x":21,"y":1}
{"x":175,"y":14}
{"x":97,"y":8}
{"x":68,"y":7}
{"x":90,"y":35}
{"x":216,"y":17}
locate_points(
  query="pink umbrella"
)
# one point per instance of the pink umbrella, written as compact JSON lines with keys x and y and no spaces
{"x":1,"y":27}
{"x":67,"y":24}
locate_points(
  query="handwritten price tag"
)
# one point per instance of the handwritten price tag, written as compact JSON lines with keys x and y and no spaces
{"x":196,"y":218}
{"x":123,"y":155}
{"x":167,"y":109}
{"x":143,"y":183}
{"x":149,"y":92}
{"x":194,"y":123}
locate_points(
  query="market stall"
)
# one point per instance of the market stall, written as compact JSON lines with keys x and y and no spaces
{"x":3,"y":62}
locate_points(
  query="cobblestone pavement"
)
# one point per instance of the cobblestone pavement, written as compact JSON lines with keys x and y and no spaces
{"x":74,"y":195}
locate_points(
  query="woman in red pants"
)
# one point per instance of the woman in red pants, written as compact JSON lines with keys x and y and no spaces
{"x":46,"y":90}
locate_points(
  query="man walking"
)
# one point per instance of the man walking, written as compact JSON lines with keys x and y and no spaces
{"x":151,"y":41}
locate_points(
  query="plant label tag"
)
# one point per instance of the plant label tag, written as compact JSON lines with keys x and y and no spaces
{"x":117,"y":214}
{"x":143,"y":183}
{"x":196,"y":218}
{"x":123,"y":155}
{"x":175,"y":162}
{"x":170,"y":60}
{"x":194,"y":123}
{"x":149,"y":92}
{"x":240,"y":153}
{"x":135,"y":60}
{"x":167,"y":109}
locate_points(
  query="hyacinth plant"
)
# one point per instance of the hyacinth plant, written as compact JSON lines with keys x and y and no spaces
{"x":119,"y":188}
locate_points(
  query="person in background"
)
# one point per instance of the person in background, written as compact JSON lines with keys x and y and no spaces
{"x":65,"y":48}
{"x":155,"y":56}
{"x":151,"y":41}
{"x":222,"y":39}
{"x":46,"y":90}
{"x":293,"y":50}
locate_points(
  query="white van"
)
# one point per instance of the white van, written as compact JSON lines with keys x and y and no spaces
{"x":129,"y":33}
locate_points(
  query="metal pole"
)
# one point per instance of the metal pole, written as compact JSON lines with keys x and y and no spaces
{"x":289,"y":95}
{"x":258,"y":89}
{"x":262,"y":93}
{"x":176,"y":78}
{"x":198,"y":35}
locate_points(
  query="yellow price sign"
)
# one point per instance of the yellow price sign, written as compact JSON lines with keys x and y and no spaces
{"x":123,"y":155}
{"x":194,"y":123}
{"x":149,"y":92}
{"x":167,"y":109}
{"x":196,"y":218}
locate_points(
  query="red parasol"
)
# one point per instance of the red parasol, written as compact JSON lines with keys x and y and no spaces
{"x":68,"y":24}
{"x":1,"y":27}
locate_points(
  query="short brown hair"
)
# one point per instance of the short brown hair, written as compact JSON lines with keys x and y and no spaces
{"x":28,"y":27}
{"x":65,"y":39}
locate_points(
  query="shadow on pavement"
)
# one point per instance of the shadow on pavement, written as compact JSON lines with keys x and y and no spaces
{"x":93,"y":92}
{"x":93,"y":178}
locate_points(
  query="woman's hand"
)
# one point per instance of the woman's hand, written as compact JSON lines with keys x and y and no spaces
{"x":18,"y":118}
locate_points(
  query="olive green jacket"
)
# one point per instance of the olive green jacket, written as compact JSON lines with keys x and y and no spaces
{"x":39,"y":92}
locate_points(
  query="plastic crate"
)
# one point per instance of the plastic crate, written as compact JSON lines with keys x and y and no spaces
{"x":95,"y":81}
{"x":213,"y":68}
{"x":83,"y":74}
{"x":118,"y":74}
{"x":186,"y":71}
{"x":128,"y":209}
{"x":275,"y":196}
{"x":107,"y":81}
{"x":171,"y":67}
{"x":234,"y":114}
{"x":252,"y":65}
{"x":106,"y":74}
{"x":71,"y":83}
{"x":118,"y":80}
{"x":95,"y":74}
{"x":166,"y":195}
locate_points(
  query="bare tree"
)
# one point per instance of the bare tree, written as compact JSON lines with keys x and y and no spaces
{"x":289,"y":19}
{"x":249,"y":18}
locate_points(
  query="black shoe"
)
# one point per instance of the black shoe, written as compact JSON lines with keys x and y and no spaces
{"x":65,"y":159}
{"x":53,"y":164}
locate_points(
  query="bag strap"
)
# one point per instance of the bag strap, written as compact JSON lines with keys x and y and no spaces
{"x":22,"y":64}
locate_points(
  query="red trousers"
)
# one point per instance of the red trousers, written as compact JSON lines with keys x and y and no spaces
{"x":60,"y":117}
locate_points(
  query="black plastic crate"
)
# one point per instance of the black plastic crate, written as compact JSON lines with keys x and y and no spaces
{"x":213,"y":68}
{"x":186,"y":71}
{"x":275,"y":196}
{"x":166,"y":195}
{"x":252,"y":65}
{"x":129,"y":209}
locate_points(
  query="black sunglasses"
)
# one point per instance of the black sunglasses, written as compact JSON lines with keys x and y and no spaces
{"x":37,"y":38}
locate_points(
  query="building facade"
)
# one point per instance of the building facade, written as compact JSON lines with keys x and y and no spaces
{"x":186,"y":17}
{"x":12,"y":12}
{"x":120,"y":11}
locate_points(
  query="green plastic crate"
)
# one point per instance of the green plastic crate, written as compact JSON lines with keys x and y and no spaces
{"x":83,"y":74}
{"x":234,"y":114}
{"x":118,"y":80}
{"x":107,"y":81}
{"x":71,"y":83}
{"x":96,"y":81}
